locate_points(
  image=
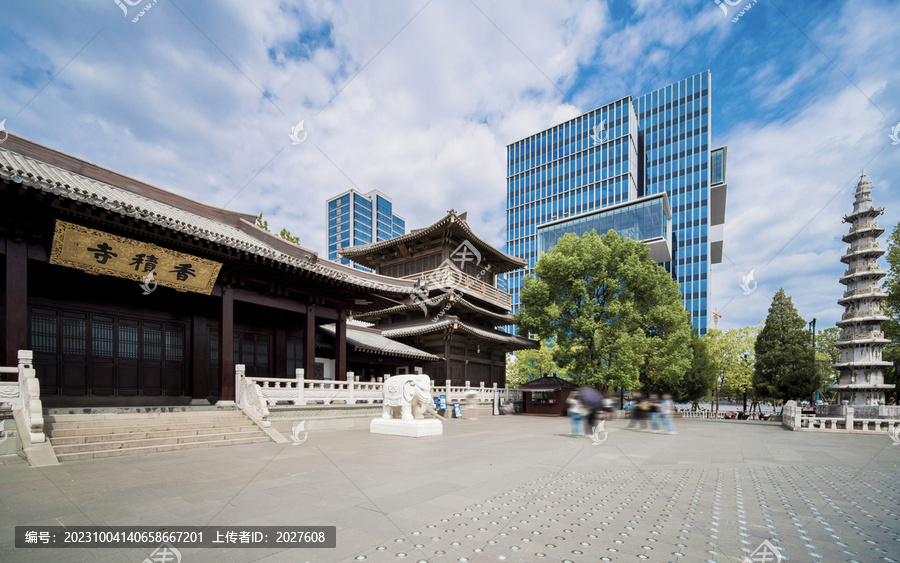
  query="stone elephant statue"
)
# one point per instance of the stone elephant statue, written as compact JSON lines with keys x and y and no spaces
{"x":411,"y":394}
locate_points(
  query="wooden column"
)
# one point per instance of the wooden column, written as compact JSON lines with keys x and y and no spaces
{"x":340,"y":348}
{"x":199,"y":361}
{"x":309,"y":344}
{"x":226,"y":347}
{"x":16,"y":298}
{"x":447,"y":358}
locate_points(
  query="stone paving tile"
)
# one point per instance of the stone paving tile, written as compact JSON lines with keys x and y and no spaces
{"x":676,"y":514}
{"x":537,"y":495}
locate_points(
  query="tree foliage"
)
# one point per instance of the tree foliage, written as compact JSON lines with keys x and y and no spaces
{"x":699,"y":380}
{"x":891,"y":306}
{"x":826,"y":354}
{"x":734,"y":354}
{"x":525,"y":365}
{"x":285,"y":234}
{"x":616,"y":317}
{"x":785,"y":367}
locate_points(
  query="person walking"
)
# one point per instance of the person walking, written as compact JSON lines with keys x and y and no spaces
{"x":576,"y":411}
{"x":639,"y":412}
{"x":654,"y":412}
{"x":471,"y":401}
{"x":665,"y":411}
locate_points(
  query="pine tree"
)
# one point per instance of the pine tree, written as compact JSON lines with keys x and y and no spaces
{"x":785,"y":365}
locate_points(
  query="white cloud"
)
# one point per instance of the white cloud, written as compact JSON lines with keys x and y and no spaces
{"x":430,"y":112}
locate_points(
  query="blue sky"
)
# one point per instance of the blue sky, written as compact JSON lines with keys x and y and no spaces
{"x":419,"y":99}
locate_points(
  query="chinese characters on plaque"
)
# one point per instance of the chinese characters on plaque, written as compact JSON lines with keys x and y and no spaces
{"x":97,"y":252}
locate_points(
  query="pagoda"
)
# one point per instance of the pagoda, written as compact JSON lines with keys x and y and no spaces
{"x":459,"y":303}
{"x":862,"y":341}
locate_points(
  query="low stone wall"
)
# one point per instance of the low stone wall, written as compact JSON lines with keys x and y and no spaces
{"x":863,"y":411}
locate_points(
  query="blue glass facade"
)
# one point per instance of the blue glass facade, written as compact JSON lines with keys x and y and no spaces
{"x":644,"y":220}
{"x":629,"y":149}
{"x":355,"y":218}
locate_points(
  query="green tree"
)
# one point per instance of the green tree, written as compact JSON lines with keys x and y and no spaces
{"x":700,"y":378}
{"x":285,"y":234}
{"x":733,"y":352}
{"x":615,"y":316}
{"x":785,"y":367}
{"x":827,"y":355}
{"x":525,"y":365}
{"x":891,"y":308}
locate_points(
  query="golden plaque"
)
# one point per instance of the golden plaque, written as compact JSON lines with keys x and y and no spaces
{"x":97,"y":252}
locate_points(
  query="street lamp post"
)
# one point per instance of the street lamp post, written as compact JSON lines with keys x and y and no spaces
{"x":744,"y":359}
{"x":812,"y":326}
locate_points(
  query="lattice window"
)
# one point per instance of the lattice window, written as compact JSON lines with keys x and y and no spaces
{"x":174,"y":344}
{"x":152,"y":343}
{"x":128,"y":342}
{"x":73,"y":336}
{"x":102,"y":339}
{"x":43,"y":333}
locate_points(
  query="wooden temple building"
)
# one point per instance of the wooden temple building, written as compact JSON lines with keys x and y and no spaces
{"x":129,"y":294}
{"x":458,"y":305}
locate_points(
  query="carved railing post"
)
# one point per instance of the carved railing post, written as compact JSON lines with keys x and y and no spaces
{"x":849,"y":419}
{"x":30,"y":398}
{"x":301,"y":386}
{"x":249,"y":397}
{"x":351,"y":387}
{"x":239,"y":371}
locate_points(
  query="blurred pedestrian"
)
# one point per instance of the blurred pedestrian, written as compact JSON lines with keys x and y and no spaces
{"x":654,"y":412}
{"x":576,"y":411}
{"x":665,"y":411}
{"x":591,"y":399}
{"x":471,"y":401}
{"x":639,"y":411}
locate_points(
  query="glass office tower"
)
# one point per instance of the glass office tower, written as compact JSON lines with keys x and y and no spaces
{"x":641,"y":166}
{"x":360,"y":218}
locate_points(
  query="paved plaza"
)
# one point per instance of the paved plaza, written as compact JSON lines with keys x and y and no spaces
{"x":510,"y":488}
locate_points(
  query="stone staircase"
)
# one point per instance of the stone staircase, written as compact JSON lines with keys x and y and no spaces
{"x":88,"y":436}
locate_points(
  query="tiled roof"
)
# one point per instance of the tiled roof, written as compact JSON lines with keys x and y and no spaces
{"x":357,"y":253}
{"x":548,"y":382}
{"x":374,"y":343}
{"x":499,"y":319}
{"x":429,"y":325}
{"x":228,"y":228}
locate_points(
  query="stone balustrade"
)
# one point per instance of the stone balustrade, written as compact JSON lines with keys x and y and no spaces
{"x":300,"y":391}
{"x":795,"y":420}
{"x":25,"y":396}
